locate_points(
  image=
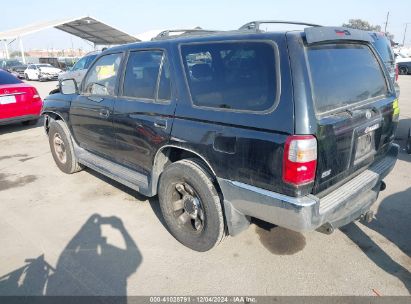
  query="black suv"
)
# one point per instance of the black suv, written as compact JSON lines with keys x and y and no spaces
{"x":293,"y":128}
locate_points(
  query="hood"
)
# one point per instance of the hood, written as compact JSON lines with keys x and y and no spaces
{"x":50,"y":70}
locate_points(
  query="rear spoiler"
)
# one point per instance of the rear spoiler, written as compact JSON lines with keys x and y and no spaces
{"x":328,"y":33}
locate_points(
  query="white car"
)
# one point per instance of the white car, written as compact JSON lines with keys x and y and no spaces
{"x":401,"y":58}
{"x":78,"y":71}
{"x":41,"y":71}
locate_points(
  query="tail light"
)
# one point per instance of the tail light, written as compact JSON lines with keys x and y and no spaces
{"x":396,"y":72}
{"x":36,"y":95}
{"x":300,"y":159}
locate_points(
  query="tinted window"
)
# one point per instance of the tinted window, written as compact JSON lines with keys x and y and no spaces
{"x":7,"y":78}
{"x":238,"y":76}
{"x":89,"y":61}
{"x":80,"y":64}
{"x":383,"y":46}
{"x":101,"y":79}
{"x":142,"y":75}
{"x":344,"y":74}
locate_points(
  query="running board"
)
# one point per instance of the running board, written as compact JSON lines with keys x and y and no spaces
{"x":119,"y":173}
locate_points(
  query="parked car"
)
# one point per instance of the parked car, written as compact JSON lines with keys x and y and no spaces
{"x":41,"y":72}
{"x":293,"y":128}
{"x":399,"y":57}
{"x":7,"y":64}
{"x":19,"y":101}
{"x":404,"y":67}
{"x":18,"y":70}
{"x":78,"y":70}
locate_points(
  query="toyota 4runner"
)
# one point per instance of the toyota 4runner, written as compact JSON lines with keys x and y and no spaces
{"x":295,"y":128}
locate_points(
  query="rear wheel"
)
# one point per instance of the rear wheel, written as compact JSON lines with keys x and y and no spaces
{"x":191,"y":206}
{"x":62,"y":148}
{"x":403,"y":70}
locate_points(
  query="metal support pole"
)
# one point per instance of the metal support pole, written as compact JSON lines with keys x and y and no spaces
{"x":405,"y":32}
{"x":6,"y":48}
{"x":22,"y":50}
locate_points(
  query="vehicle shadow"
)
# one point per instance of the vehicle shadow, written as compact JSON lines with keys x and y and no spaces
{"x":18,"y":126}
{"x":153,"y":201}
{"x":89,"y":265}
{"x":393,"y":222}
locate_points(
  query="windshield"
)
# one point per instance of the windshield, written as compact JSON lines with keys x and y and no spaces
{"x":344,"y":74}
{"x":44,"y":66}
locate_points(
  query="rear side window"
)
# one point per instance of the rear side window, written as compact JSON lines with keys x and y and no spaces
{"x":383,"y":46}
{"x":147,"y":76}
{"x":344,"y":74}
{"x":232,"y":75}
{"x":7,"y":78}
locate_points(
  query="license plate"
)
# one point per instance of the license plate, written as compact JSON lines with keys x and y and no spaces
{"x":7,"y":99}
{"x":365,"y":147}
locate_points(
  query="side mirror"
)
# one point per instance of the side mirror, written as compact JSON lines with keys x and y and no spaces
{"x":68,"y":86}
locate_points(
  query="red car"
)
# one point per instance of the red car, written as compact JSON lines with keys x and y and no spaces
{"x":19,"y":101}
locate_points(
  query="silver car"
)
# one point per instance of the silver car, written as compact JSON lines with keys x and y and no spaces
{"x":78,"y":70}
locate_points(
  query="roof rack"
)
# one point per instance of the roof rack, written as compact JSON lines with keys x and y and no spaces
{"x":166,"y":34}
{"x":255,"y":25}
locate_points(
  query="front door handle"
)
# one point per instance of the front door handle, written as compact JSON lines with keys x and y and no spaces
{"x":160,"y":123}
{"x":104,"y":113}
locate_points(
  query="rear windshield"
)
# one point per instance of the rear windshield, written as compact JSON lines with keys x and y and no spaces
{"x":344,"y":74}
{"x":232,"y":75}
{"x":7,"y":78}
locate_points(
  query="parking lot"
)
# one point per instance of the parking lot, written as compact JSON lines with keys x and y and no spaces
{"x":85,"y":234}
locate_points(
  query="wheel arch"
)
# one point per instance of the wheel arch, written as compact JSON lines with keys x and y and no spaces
{"x":169,"y":154}
{"x":49,"y":116}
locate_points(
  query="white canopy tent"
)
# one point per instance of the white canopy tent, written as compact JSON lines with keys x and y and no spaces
{"x":87,"y":28}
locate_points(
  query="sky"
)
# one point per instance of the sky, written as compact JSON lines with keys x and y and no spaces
{"x":139,"y":16}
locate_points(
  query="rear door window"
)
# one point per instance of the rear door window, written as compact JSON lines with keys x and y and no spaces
{"x":147,"y":76}
{"x":343,"y":75}
{"x":232,"y":75}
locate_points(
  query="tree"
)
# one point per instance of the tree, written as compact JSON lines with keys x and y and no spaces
{"x":362,"y":25}
{"x":15,"y":54}
{"x":365,"y":26}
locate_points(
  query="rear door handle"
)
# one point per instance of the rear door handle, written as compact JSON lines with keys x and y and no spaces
{"x":95,"y":99}
{"x":160,"y":123}
{"x":104,"y":113}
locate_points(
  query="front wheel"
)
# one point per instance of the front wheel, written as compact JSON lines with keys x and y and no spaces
{"x":408,"y":144}
{"x":62,"y":148}
{"x":26,"y":77}
{"x":191,"y":206}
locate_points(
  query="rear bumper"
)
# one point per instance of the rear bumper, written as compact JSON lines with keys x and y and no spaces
{"x":338,"y":208}
{"x":16,"y":119}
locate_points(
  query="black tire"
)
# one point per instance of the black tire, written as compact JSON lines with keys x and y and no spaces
{"x":30,"y":122}
{"x":200,"y":184}
{"x":68,"y":164}
{"x":403,"y":70}
{"x":26,"y":76}
{"x":408,"y":144}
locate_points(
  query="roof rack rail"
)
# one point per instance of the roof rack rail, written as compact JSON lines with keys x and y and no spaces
{"x":167,"y":33}
{"x":255,"y":25}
